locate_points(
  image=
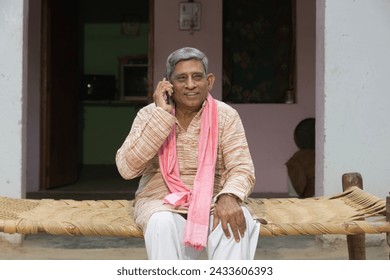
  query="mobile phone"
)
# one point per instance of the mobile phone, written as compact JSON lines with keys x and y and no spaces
{"x":167,"y":96}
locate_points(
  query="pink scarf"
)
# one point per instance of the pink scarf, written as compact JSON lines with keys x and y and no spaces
{"x":199,"y":199}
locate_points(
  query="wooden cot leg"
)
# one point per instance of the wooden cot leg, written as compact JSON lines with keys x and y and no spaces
{"x":388,"y":219}
{"x":356,"y":243}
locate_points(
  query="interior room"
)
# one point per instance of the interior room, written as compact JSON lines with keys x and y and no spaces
{"x":114,"y":83}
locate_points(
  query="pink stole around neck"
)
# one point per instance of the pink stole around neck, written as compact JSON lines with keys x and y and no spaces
{"x":199,"y":199}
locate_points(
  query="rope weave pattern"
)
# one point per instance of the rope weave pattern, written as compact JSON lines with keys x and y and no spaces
{"x":10,"y":208}
{"x":340,"y":214}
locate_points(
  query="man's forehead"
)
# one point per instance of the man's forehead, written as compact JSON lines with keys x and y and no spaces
{"x":189,"y":67}
{"x":187,"y":73}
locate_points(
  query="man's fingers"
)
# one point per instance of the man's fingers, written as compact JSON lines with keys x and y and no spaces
{"x":241,"y":223}
{"x":216,"y":219}
{"x":238,"y":229}
{"x":233,"y":226}
{"x":225,"y":229}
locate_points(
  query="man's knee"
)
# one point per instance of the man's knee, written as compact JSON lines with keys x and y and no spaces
{"x":161,"y":219}
{"x":165,"y":222}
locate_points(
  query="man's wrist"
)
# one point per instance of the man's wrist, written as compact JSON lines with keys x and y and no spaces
{"x":231,"y":195}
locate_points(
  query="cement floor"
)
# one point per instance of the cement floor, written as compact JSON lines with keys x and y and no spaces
{"x":46,"y":247}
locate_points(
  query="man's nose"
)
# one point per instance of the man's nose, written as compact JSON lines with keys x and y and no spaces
{"x":191,"y":82}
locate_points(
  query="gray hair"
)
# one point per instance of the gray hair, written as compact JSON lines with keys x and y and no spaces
{"x":186,"y":53}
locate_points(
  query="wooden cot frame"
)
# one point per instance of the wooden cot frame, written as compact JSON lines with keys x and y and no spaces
{"x":356,"y":243}
{"x":355,"y":229}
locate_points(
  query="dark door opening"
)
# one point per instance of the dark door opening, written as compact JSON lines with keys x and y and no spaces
{"x":63,"y":174}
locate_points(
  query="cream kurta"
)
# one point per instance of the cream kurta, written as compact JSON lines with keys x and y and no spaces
{"x":138,"y":156}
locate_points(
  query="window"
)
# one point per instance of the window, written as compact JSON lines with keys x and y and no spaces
{"x":258,"y":51}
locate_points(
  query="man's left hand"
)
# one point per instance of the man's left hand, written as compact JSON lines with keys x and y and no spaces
{"x":228,"y":211}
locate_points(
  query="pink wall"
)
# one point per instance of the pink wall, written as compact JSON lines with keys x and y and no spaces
{"x":168,"y":37}
{"x":269,"y":127}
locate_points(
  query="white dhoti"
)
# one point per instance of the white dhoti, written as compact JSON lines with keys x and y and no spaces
{"x":165,"y":234}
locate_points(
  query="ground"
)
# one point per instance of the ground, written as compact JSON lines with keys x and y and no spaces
{"x":46,"y":247}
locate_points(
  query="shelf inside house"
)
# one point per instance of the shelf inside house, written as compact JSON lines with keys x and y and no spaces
{"x":141,"y":101}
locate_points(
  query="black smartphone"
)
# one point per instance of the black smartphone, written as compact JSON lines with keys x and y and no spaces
{"x":168,"y":97}
{"x":168,"y":100}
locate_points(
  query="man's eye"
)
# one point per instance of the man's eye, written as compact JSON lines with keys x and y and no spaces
{"x":197,"y":77}
{"x":181,"y":78}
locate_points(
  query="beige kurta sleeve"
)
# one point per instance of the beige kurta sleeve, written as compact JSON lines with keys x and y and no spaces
{"x":238,"y":174}
{"x":150,"y":128}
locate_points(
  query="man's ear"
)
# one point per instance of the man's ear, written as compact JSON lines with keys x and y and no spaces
{"x":210,"y":80}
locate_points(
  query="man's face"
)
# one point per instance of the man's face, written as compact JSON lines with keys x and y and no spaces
{"x":190,"y":84}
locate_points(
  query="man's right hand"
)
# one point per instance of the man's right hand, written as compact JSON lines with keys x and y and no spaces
{"x":159,"y":96}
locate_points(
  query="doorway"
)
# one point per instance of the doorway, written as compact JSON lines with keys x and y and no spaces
{"x":81,"y":39}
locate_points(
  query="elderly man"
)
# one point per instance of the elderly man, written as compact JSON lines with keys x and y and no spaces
{"x":196,"y":168}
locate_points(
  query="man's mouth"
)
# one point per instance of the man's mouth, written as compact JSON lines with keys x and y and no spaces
{"x":191,"y":94}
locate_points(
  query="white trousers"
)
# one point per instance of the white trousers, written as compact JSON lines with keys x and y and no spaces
{"x":165,"y":234}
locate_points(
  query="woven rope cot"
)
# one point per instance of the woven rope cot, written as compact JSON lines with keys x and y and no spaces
{"x":351,"y":212}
